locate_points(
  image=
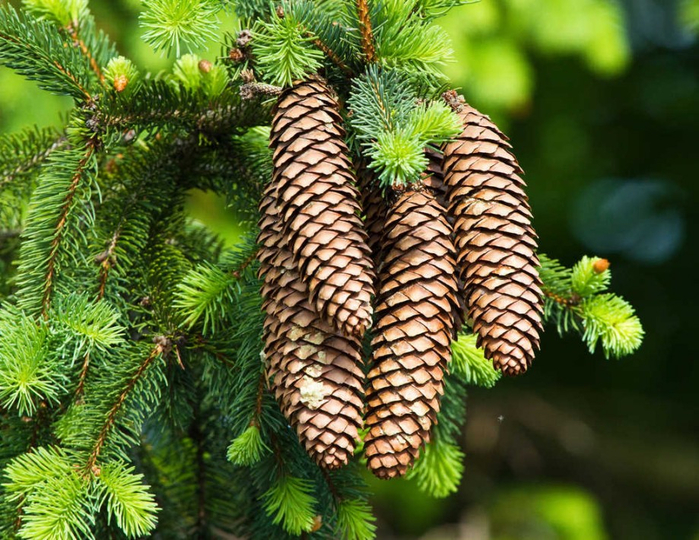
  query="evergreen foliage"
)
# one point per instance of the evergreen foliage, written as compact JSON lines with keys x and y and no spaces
{"x":133,"y":398}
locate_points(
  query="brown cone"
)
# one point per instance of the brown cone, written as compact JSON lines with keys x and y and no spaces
{"x":318,"y":205}
{"x":414,"y":328}
{"x":314,"y":371}
{"x":496,"y":244}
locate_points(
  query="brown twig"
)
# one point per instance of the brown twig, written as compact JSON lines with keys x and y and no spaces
{"x":107,"y":260}
{"x":112,"y":414}
{"x":258,"y":403}
{"x":73,"y":31}
{"x":333,"y":56}
{"x":60,"y":227}
{"x":83,"y":375}
{"x":37,"y":158}
{"x":251,"y":90}
{"x":565,"y":301}
{"x":366,"y":31}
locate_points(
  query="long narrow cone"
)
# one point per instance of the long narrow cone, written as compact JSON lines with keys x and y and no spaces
{"x":319,"y":207}
{"x":496,"y":244}
{"x":313,"y":370}
{"x":415,"y":324}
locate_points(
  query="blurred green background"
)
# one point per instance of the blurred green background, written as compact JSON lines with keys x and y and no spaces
{"x":601,"y":100}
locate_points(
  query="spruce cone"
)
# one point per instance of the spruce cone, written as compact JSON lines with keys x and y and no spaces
{"x":315,"y":372}
{"x":496,"y":244}
{"x":319,"y":206}
{"x":412,"y":347}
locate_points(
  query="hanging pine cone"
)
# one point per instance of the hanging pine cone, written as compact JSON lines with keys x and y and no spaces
{"x":319,"y":206}
{"x":315,"y":372}
{"x":496,"y":244}
{"x":415,"y":324}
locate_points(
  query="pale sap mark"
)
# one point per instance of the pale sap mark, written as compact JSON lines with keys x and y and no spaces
{"x":313,"y":392}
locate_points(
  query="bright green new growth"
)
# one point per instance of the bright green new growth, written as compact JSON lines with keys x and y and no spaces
{"x":122,"y":69}
{"x":439,"y":469}
{"x":290,"y":503}
{"x":611,"y":320}
{"x":130,"y":335}
{"x":575,"y":300}
{"x":63,"y":12}
{"x":248,"y":448}
{"x":285,"y":50}
{"x":26,"y":373}
{"x":196,"y":75}
{"x":174,"y":24}
{"x":408,"y":42}
{"x":394,"y":127}
{"x":470,"y":364}
{"x":355,"y":520}
{"x":128,"y":501}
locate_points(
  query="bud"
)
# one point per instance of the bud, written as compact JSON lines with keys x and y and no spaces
{"x":236,"y":55}
{"x":317,"y":524}
{"x":205,"y":66}
{"x":600,"y":265}
{"x":244,"y":37}
{"x":63,"y":12}
{"x":120,"y":83}
{"x":121,"y":74}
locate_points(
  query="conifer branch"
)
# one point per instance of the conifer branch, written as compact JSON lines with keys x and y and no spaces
{"x":83,"y":376}
{"x":37,"y":50}
{"x":254,"y":89}
{"x":60,"y":67}
{"x":78,"y":41}
{"x":106,"y":259}
{"x":110,"y":420}
{"x":6,"y":177}
{"x":60,"y":227}
{"x":366,"y":31}
{"x":334,"y":57}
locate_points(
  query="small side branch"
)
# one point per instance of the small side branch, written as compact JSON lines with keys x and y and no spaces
{"x":106,"y":260}
{"x":60,"y":67}
{"x":118,"y":404}
{"x":564,"y":301}
{"x":83,"y":375}
{"x":78,"y":42}
{"x":333,"y":57}
{"x":60,"y":228}
{"x":8,"y":176}
{"x":366,"y":31}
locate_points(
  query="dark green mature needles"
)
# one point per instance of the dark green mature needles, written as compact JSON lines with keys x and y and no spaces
{"x":134,"y":399}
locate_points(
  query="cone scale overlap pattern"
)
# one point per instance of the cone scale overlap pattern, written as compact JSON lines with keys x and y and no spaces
{"x":496,"y":244}
{"x":457,"y":243}
{"x":318,"y":205}
{"x":314,"y":371}
{"x":412,"y":347}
